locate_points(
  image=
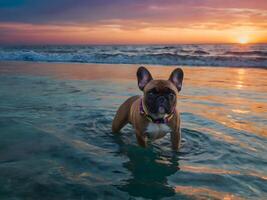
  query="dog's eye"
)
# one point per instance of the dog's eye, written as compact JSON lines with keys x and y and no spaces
{"x":171,"y":95}
{"x":150,"y":94}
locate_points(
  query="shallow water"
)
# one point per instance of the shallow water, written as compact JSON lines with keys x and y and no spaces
{"x":56,"y":143}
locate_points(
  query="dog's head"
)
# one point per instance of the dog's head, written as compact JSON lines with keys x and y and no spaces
{"x":160,"y":95}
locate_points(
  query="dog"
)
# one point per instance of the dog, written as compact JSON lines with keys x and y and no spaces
{"x":154,"y":114}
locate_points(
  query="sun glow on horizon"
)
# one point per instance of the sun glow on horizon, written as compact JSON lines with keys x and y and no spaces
{"x":243,"y":40}
{"x":24,"y":33}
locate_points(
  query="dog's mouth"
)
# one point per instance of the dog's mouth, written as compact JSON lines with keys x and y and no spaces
{"x":161,"y":109}
{"x":164,"y":109}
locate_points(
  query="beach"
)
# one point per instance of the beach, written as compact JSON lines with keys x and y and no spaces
{"x":56,"y":140}
{"x":66,"y":67}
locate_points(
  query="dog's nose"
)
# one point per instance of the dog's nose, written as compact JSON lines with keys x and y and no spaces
{"x":161,"y":99}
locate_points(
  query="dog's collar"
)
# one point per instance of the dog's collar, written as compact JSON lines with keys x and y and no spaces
{"x":163,"y":120}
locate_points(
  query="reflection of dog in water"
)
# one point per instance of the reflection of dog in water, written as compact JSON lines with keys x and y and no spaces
{"x":149,"y":173}
{"x":153,"y":115}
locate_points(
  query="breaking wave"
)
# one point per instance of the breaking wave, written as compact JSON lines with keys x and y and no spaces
{"x":189,"y":55}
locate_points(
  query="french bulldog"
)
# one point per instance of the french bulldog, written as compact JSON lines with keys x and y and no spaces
{"x":154,"y":114}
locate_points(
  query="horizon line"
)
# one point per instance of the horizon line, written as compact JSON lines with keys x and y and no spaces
{"x":133,"y":44}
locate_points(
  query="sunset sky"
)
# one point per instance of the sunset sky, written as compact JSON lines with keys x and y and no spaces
{"x":132,"y":21}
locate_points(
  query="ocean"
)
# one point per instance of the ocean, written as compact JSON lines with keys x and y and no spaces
{"x":230,"y":55}
{"x":56,"y":111}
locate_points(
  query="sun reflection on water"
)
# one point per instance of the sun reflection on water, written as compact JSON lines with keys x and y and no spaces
{"x":240,"y":78}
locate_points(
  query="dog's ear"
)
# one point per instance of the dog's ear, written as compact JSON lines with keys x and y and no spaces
{"x":176,"y":78}
{"x":143,"y":77}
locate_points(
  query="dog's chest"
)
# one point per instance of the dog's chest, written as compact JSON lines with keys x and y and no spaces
{"x":155,"y":131}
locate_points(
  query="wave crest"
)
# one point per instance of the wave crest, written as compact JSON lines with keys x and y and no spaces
{"x":190,"y":55}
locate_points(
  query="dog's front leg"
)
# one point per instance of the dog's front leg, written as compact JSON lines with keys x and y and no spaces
{"x":175,"y":139}
{"x":141,"y":139}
